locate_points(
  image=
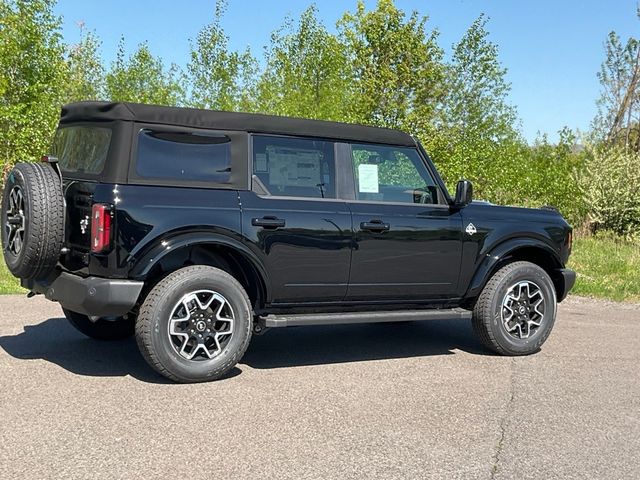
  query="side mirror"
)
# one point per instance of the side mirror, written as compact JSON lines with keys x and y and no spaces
{"x":464,"y":193}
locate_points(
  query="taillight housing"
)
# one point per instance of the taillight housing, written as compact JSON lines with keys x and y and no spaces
{"x":100,"y":227}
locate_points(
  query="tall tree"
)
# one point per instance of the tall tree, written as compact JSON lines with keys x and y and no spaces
{"x":307,"y":73}
{"x":85,"y":71}
{"x":398,"y":71}
{"x":31,"y":78}
{"x":219,"y":78}
{"x":477,"y":88}
{"x":618,"y":118}
{"x":143,"y":78}
{"x":478,"y":135}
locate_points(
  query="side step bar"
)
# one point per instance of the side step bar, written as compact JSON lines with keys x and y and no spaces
{"x":275,"y":321}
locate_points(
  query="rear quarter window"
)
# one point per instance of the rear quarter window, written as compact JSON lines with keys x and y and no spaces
{"x":82,"y":149}
{"x":184,"y":156}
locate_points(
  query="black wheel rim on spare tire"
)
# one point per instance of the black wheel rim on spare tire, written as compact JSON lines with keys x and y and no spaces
{"x":32,"y":220}
{"x":15,"y":221}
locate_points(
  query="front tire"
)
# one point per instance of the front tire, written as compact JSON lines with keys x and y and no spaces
{"x":195,"y":324}
{"x":516,"y":310}
{"x":101,"y":329}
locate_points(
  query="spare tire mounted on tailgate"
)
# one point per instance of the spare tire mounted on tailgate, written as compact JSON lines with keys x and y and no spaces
{"x":32,"y":220}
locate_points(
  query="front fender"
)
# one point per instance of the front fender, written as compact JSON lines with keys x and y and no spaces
{"x":493,"y":258}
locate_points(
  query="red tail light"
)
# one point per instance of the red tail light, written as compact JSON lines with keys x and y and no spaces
{"x":100,"y":228}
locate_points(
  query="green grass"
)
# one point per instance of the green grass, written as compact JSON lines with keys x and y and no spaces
{"x":607,"y":267}
{"x":8,"y":283}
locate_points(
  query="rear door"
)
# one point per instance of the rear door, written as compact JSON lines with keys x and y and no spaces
{"x":82,"y":151}
{"x":293,"y":218}
{"x":407,"y":239}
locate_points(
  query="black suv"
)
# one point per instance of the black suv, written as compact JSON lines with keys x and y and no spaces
{"x":194,"y":229}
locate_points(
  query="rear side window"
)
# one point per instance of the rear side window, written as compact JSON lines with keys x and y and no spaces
{"x":295,"y":167}
{"x":82,"y":149}
{"x":184,"y":156}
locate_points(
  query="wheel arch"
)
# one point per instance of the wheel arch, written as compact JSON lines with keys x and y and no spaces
{"x":530,"y":250}
{"x":216,"y":250}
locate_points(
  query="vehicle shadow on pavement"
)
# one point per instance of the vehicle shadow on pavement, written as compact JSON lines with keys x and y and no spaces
{"x":316,"y":345}
{"x":55,"y":341}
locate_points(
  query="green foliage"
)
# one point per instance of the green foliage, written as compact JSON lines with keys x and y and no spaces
{"x":8,"y":283}
{"x":608,"y":183}
{"x":143,"y":78}
{"x":85,"y":71}
{"x":32,"y":76}
{"x":307,"y":73}
{"x":397,"y":70}
{"x":477,"y":138}
{"x":218,"y":78}
{"x":619,"y":102}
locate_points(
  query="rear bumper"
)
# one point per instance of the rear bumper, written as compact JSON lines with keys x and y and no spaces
{"x":93,"y":296}
{"x":564,"y":280}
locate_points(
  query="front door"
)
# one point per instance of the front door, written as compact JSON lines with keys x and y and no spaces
{"x":294,"y":220}
{"x":407,"y":238}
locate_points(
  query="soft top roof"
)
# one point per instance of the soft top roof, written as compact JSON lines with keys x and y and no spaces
{"x":249,"y":122}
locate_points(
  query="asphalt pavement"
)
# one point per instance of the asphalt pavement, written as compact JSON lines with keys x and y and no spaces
{"x":380,"y":401}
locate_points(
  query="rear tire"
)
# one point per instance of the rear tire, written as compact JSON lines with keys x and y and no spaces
{"x":516,"y":310}
{"x":32,"y":220}
{"x":195,"y":324}
{"x":101,"y":329}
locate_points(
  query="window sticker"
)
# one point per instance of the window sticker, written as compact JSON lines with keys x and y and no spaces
{"x":260,"y":164}
{"x":368,"y":178}
{"x":294,"y":167}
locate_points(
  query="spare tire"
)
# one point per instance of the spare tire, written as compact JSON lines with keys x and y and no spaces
{"x":32,"y":220}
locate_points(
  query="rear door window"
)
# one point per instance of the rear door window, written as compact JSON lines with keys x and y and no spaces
{"x":295,"y":167}
{"x":184,"y":156}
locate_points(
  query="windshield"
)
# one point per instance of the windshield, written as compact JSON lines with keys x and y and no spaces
{"x":82,"y":149}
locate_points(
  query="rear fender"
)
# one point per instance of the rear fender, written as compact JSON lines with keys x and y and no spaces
{"x":147,"y":260}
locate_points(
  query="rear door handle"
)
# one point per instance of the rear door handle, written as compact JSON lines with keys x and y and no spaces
{"x":268,"y":222}
{"x":375,"y":226}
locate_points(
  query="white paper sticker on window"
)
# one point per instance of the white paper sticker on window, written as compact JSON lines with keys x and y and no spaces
{"x":368,"y":178}
{"x":260,"y":164}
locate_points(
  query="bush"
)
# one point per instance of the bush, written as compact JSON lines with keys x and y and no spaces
{"x":608,"y":183}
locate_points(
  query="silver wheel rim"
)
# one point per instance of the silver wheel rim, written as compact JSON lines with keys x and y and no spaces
{"x":201,"y":325}
{"x":522,"y":309}
{"x":14,"y":225}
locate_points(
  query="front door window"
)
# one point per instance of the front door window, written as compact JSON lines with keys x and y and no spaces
{"x":392,"y":174}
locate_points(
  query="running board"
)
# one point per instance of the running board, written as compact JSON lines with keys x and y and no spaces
{"x":274,"y":321}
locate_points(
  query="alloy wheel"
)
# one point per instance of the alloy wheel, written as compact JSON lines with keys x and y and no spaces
{"x":522,"y":309}
{"x":201,"y":325}
{"x":14,"y":225}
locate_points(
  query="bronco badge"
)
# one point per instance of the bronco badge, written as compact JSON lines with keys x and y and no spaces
{"x":471,"y":229}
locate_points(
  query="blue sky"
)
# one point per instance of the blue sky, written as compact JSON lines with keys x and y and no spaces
{"x":552,"y":49}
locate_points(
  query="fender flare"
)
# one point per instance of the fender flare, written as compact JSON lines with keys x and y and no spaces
{"x":163,"y":246}
{"x":498,"y":253}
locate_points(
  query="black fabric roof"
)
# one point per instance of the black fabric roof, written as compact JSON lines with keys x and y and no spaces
{"x":250,"y":122}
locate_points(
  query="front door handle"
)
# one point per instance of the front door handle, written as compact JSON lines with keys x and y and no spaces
{"x":268,"y":222}
{"x":375,"y":226}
